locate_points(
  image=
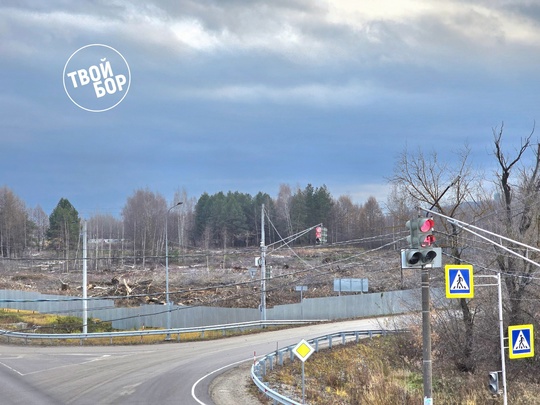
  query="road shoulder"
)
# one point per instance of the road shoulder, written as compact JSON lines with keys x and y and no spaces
{"x":233,"y":387}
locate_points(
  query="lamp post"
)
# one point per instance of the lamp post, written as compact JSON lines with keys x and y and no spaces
{"x":168,"y":336}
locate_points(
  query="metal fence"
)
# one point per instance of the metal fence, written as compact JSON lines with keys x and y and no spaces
{"x":171,"y":334}
{"x":148,"y":316}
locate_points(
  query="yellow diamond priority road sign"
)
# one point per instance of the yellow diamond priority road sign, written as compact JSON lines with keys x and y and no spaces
{"x":303,"y":350}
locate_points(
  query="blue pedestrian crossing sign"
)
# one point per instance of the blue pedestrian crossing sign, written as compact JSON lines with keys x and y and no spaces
{"x":459,"y":281}
{"x":521,"y":341}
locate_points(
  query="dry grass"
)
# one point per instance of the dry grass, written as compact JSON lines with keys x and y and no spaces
{"x":32,"y":321}
{"x":378,"y":372}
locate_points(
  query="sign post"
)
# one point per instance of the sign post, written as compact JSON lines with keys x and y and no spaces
{"x":303,"y":350}
{"x":301,"y":288}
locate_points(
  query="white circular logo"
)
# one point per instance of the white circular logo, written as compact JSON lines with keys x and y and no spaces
{"x":96,"y":77}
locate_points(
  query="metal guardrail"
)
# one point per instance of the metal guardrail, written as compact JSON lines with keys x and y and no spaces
{"x":258,"y":369}
{"x":150,"y":332}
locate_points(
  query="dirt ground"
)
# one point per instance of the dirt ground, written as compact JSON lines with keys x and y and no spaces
{"x":210,"y":278}
{"x":234,"y":387}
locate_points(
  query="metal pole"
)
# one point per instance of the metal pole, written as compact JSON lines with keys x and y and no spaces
{"x":85,"y":279}
{"x":263,"y":269}
{"x":426,"y":337}
{"x":303,"y":385}
{"x":501,"y":333}
{"x":168,"y":336}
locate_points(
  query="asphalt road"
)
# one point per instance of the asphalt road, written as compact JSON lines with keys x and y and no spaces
{"x":168,"y":373}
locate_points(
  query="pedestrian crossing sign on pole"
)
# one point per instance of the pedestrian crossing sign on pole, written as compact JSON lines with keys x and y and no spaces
{"x":459,"y":281}
{"x":521,"y":341}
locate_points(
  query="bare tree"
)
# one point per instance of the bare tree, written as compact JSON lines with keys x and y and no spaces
{"x":13,"y":224}
{"x":283,"y":208}
{"x":372,"y":220}
{"x":520,"y":202}
{"x":41,"y":222}
{"x":429,"y":182}
{"x":345,"y":216}
{"x":183,"y":216}
{"x":144,"y":222}
{"x":104,"y":232}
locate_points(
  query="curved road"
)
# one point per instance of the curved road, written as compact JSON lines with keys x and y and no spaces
{"x":167,"y":373}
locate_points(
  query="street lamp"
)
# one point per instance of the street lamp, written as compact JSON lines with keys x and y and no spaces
{"x":168,"y":336}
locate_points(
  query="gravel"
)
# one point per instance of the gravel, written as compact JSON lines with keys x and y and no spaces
{"x":233,"y":387}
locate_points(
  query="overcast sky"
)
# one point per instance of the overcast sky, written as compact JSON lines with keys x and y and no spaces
{"x":245,"y":95}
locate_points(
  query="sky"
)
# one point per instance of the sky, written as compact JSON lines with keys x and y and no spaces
{"x":247,"y":95}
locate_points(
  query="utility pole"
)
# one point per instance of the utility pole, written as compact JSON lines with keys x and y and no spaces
{"x":167,"y":295}
{"x":85,"y":279}
{"x":263,"y":269}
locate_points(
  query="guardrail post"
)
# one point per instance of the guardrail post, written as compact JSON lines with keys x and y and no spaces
{"x":329,"y":341}
{"x":343,"y":338}
{"x":280,"y":358}
{"x":317,"y":345}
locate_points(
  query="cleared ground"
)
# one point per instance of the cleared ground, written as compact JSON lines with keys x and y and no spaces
{"x":211,"y":278}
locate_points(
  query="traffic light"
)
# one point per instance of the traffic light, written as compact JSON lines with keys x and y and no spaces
{"x":421,"y":238}
{"x":493,"y":383}
{"x":426,"y":226}
{"x":321,"y":235}
{"x":413,"y":240}
{"x":421,"y":230}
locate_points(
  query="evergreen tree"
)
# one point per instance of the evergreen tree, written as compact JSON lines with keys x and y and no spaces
{"x":64,"y":227}
{"x":235,"y":226}
{"x":202,"y":215}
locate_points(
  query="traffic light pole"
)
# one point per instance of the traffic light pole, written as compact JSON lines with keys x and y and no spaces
{"x":421,"y":255}
{"x":426,"y":338}
{"x":501,"y":335}
{"x":501,"y":331}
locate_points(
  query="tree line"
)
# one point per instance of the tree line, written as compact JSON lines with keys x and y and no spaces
{"x":221,"y":220}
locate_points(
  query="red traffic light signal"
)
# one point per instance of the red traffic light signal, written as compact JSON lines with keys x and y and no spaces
{"x":421,"y":230}
{"x":425,"y":226}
